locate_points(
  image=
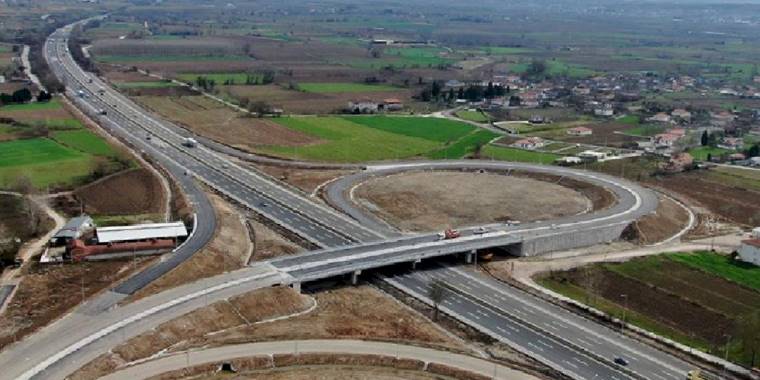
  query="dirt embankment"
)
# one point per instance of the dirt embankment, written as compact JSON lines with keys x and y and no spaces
{"x":192,"y":328}
{"x":326,"y":366}
{"x":425,"y":201}
{"x":47,"y":292}
{"x":131,"y":192}
{"x":356,"y":312}
{"x":306,"y":180}
{"x":669,"y":219}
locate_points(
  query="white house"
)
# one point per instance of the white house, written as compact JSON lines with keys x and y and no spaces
{"x":529,"y":143}
{"x":750,"y":251}
{"x":363,"y":106}
{"x":580,"y":131}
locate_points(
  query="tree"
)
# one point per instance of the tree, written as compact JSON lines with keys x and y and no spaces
{"x":748,"y":332}
{"x":436,"y":293}
{"x":709,"y":157}
{"x":536,"y":68}
{"x":22,"y":96}
{"x":435,"y":90}
{"x":754,"y":151}
{"x":44,"y":96}
{"x":705,"y":138}
{"x":23,"y":185}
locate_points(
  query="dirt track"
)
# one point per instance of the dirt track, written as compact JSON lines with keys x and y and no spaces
{"x":424,"y":201}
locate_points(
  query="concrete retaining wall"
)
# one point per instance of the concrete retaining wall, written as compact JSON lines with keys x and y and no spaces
{"x":568,"y":240}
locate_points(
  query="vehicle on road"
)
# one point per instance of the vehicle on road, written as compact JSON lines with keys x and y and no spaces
{"x":480,"y":230}
{"x":449,"y":234}
{"x":698,"y":374}
{"x":102,"y":112}
{"x":620,"y":361}
{"x":190,"y":142}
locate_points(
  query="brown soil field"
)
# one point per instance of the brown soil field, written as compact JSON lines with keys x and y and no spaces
{"x":432,"y":201}
{"x":130,"y":192}
{"x":305,"y":179}
{"x":194,"y":46}
{"x":356,"y":312}
{"x":37,"y":115}
{"x":191,"y":329}
{"x":600,"y":197}
{"x":668,"y":220}
{"x":47,"y":292}
{"x":735,"y":204}
{"x":292,"y":101}
{"x":268,"y":244}
{"x":216,"y":121}
{"x":120,"y":75}
{"x":689,"y":301}
{"x":604,"y":134}
{"x":228,"y":250}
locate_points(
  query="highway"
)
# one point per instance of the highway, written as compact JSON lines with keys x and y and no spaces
{"x":348,"y":245}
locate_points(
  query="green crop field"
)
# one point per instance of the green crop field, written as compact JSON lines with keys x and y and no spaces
{"x":629,"y":119}
{"x":44,"y":161}
{"x":337,"y":87}
{"x":519,"y":155}
{"x":475,"y":116}
{"x":348,"y":141}
{"x":428,"y":128}
{"x":465,"y":146}
{"x":701,"y":152}
{"x":86,"y":142}
{"x":723,"y":266}
{"x":37,"y":106}
{"x":645,"y":130}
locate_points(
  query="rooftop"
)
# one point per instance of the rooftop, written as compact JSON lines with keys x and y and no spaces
{"x":141,"y":232}
{"x":74,"y":227}
{"x":753,"y":242}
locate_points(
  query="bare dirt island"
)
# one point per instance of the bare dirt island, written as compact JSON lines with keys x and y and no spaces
{"x":425,"y":201}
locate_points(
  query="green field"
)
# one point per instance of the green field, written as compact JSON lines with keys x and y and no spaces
{"x":86,"y":142}
{"x":629,"y":119}
{"x":465,"y":146}
{"x":347,"y":141}
{"x":519,"y":155}
{"x":701,"y":152}
{"x":433,"y":129}
{"x":37,"y":106}
{"x":44,"y":161}
{"x":146,"y":84}
{"x":372,"y":138}
{"x":476,"y":116}
{"x":645,"y":130}
{"x":722,"y":266}
{"x":337,"y":87}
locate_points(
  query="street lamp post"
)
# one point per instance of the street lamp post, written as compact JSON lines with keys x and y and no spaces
{"x":625,"y":308}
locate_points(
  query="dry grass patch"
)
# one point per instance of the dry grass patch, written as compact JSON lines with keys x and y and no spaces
{"x":140,"y":192}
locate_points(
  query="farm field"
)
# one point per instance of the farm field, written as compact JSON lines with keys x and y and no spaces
{"x":519,"y":155}
{"x":696,"y":298}
{"x":701,"y":153}
{"x":146,"y":84}
{"x":348,"y":141}
{"x":475,"y":116}
{"x":50,"y":147}
{"x":337,"y":87}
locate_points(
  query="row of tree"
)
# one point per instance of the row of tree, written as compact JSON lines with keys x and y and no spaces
{"x":23,"y":95}
{"x":473,"y":92}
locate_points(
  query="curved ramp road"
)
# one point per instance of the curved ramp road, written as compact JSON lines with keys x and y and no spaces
{"x":64,"y":346}
{"x":320,"y":346}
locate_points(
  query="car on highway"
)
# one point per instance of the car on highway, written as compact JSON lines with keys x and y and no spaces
{"x":480,"y":230}
{"x":620,"y":361}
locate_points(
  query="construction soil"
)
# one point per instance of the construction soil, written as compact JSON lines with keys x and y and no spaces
{"x":47,"y":292}
{"x":425,"y":201}
{"x":130,"y":192}
{"x":669,"y":219}
{"x":354,"y":312}
{"x":307,"y":180}
{"x":230,"y":249}
{"x":218,"y":122}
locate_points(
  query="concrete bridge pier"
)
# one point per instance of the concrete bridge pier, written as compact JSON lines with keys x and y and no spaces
{"x":470,"y":256}
{"x":355,"y":277}
{"x":296,"y":286}
{"x":415,"y":262}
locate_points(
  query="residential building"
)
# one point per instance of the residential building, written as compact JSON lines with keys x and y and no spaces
{"x":749,"y":251}
{"x":529,"y":143}
{"x":392,"y":104}
{"x":660,"y":117}
{"x":737,"y":157}
{"x":580,"y":131}
{"x":733,"y":143}
{"x":605,"y":110}
{"x":679,"y":162}
{"x":73,"y":229}
{"x":363,"y":106}
{"x":681,"y":114}
{"x":665,"y":139}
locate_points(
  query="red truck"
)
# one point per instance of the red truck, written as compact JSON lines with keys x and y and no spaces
{"x":448,"y":234}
